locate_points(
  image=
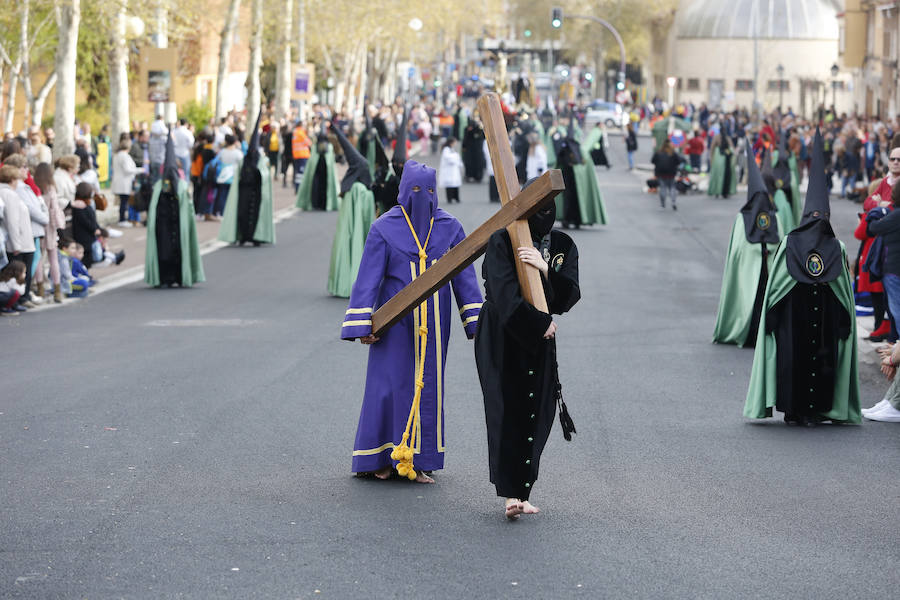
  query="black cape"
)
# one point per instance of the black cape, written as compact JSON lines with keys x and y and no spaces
{"x":516,"y":365}
{"x":249,"y":189}
{"x":473,"y":151}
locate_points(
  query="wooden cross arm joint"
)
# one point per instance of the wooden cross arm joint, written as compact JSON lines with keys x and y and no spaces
{"x":525,"y":204}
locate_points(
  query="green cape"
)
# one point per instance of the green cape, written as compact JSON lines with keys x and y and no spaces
{"x":191,"y":265}
{"x":265,"y":224}
{"x":461,"y":125}
{"x":739,"y":284}
{"x":590,"y":200}
{"x":785,"y":213}
{"x":796,"y":207}
{"x":546,"y":138}
{"x":762,"y":393}
{"x":717,"y":174}
{"x":660,"y":130}
{"x":354,"y":220}
{"x":304,"y":192}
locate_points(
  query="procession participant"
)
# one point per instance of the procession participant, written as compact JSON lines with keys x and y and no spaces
{"x":398,"y":158}
{"x":722,"y":178}
{"x":173,"y":253}
{"x":319,"y":187}
{"x":596,"y":144}
{"x":354,"y":220}
{"x":805,"y":361}
{"x":515,"y":351}
{"x":473,"y":151}
{"x":754,"y":237}
{"x":581,"y":203}
{"x":401,"y":422}
{"x":775,"y":184}
{"x":369,"y":144}
{"x":248,"y":211}
{"x":493,"y":192}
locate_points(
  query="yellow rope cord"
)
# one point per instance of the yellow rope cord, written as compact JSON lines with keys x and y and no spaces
{"x":403,"y":452}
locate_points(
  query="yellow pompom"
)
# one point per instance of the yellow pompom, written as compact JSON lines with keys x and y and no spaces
{"x":411,"y":475}
{"x":395,"y":453}
{"x":402,"y":469}
{"x":408,"y":454}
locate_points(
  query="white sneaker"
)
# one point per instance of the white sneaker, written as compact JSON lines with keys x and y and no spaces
{"x":884,"y":402}
{"x":113,"y":233}
{"x":889,"y":414}
{"x":125,"y":224}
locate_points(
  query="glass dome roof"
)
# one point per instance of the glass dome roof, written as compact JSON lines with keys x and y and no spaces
{"x":777,"y":19}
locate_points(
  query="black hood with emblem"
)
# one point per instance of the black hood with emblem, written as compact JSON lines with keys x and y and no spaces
{"x":357,"y":166}
{"x":760,"y":223}
{"x":812,"y":252}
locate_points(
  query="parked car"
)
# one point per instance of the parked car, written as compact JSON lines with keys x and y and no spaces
{"x":610,"y":114}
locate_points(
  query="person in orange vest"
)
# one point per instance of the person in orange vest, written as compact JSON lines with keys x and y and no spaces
{"x":300,"y":144}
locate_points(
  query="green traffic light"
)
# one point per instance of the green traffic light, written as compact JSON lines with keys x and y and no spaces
{"x":527,"y":33}
{"x":589,"y":76}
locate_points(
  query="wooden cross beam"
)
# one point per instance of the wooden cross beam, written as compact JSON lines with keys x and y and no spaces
{"x":517,"y":207}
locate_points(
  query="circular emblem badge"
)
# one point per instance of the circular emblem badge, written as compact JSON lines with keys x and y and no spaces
{"x":763,"y":221}
{"x":814,"y":265}
{"x":558,"y":262}
{"x":779,"y":183}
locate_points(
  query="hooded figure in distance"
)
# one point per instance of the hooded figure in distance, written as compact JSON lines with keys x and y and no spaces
{"x":805,"y":362}
{"x":173,"y":254}
{"x":581,"y":203}
{"x":754,"y":237}
{"x":354,"y":220}
{"x":779,"y":188}
{"x":722,"y":176}
{"x":319,"y":187}
{"x":515,"y":352}
{"x":248,"y":211}
{"x":400,"y":424}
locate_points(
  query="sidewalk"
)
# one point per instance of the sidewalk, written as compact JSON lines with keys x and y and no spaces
{"x":134,"y":243}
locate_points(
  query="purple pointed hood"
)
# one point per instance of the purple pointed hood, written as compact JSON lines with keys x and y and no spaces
{"x":418,"y":187}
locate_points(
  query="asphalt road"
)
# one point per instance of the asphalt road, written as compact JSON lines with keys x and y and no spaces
{"x":196,"y":443}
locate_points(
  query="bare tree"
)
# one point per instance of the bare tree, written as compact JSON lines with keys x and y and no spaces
{"x":118,"y":74}
{"x":225,"y":43}
{"x":68,"y":20}
{"x":283,"y":66}
{"x":253,"y":87}
{"x":35,"y":108}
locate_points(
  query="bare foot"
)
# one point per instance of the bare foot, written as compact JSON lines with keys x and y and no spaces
{"x":530,"y":509}
{"x":513,"y":508}
{"x":384,"y":473}
{"x":421,"y":477}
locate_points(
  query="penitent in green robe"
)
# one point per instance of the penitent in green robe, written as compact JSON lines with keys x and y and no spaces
{"x":590,"y":200}
{"x":265,"y":223}
{"x":796,"y":208}
{"x":304,"y":192}
{"x":354,"y":221}
{"x":743,"y":265}
{"x":191,"y":265}
{"x":717,"y":174}
{"x":784,"y":212}
{"x":762,"y":394}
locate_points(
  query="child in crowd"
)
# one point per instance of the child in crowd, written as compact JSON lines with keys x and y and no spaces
{"x":12,"y":286}
{"x":66,"y":280}
{"x":82,"y":279}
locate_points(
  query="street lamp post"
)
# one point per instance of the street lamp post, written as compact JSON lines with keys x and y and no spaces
{"x":834,"y":73}
{"x":671,"y":81}
{"x":780,"y":70}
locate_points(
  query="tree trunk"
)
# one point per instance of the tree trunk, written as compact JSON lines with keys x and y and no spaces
{"x":68,"y":20}
{"x":225,"y":41}
{"x":24,"y":57}
{"x":363,"y":78}
{"x":118,"y":77}
{"x":283,"y":66}
{"x":11,"y":95}
{"x":253,"y":88}
{"x":37,"y":102}
{"x":301,"y":31}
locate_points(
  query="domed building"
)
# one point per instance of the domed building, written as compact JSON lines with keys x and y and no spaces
{"x":715,"y":49}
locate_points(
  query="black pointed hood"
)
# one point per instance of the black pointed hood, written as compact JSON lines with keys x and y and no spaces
{"x":760,"y":222}
{"x":251,"y":160}
{"x":357,"y":165}
{"x":399,"y":157}
{"x":812,"y":253}
{"x":170,"y":164}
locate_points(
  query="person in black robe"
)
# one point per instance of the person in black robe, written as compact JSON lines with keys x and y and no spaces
{"x":319,"y":190}
{"x":515,"y":352}
{"x":810,"y":321}
{"x":520,"y":144}
{"x":725,"y":149}
{"x":568,"y":153}
{"x":781,"y":170}
{"x":249,"y":190}
{"x":168,"y":231}
{"x":473,"y":151}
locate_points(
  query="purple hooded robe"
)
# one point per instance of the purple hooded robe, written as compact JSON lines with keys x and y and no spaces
{"x":390,"y":261}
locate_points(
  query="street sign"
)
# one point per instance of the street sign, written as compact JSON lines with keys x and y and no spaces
{"x":303,"y":81}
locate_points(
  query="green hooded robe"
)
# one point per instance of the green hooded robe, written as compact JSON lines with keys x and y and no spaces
{"x":761,"y":396}
{"x":590,"y":200}
{"x":354,"y":221}
{"x":304,"y":192}
{"x":191,"y":265}
{"x":265,"y":224}
{"x":717,"y":174}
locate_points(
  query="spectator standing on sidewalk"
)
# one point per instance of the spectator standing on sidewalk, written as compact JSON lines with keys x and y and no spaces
{"x":631,"y":144}
{"x":300,"y":145}
{"x":124,"y":172}
{"x":43,"y":177}
{"x":665,"y":167}
{"x":157,"y":147}
{"x":183,"y":140}
{"x":229,"y":157}
{"x":37,"y":213}
{"x":16,"y":221}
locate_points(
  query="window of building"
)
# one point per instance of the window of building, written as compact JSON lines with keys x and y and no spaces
{"x":693,"y":85}
{"x":778,"y":84}
{"x":842,"y":40}
{"x":743,"y":85}
{"x":870,"y":34}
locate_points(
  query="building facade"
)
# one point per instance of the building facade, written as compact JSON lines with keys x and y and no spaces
{"x":869,"y":48}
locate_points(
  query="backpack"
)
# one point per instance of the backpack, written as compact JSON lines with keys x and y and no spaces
{"x":211,"y":172}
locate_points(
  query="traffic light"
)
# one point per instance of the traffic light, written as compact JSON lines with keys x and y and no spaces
{"x":556,"y":17}
{"x":527,"y":33}
{"x":620,"y":85}
{"x":588,"y":76}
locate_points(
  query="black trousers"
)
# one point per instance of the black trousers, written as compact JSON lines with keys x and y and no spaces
{"x":27,"y":258}
{"x":452,"y":194}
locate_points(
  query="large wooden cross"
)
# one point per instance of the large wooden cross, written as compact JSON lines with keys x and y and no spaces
{"x":517,"y":206}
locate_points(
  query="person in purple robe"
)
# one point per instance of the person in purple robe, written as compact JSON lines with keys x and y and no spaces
{"x":400,"y":426}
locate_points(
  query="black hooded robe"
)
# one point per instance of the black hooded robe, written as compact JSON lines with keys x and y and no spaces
{"x":249,"y":200}
{"x":566,"y":157}
{"x":516,"y":365}
{"x":168,"y":238}
{"x":319,"y":191}
{"x":726,"y":180}
{"x":473,"y":152}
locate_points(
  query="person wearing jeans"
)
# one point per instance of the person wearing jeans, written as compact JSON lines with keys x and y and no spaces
{"x":665,"y":167}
